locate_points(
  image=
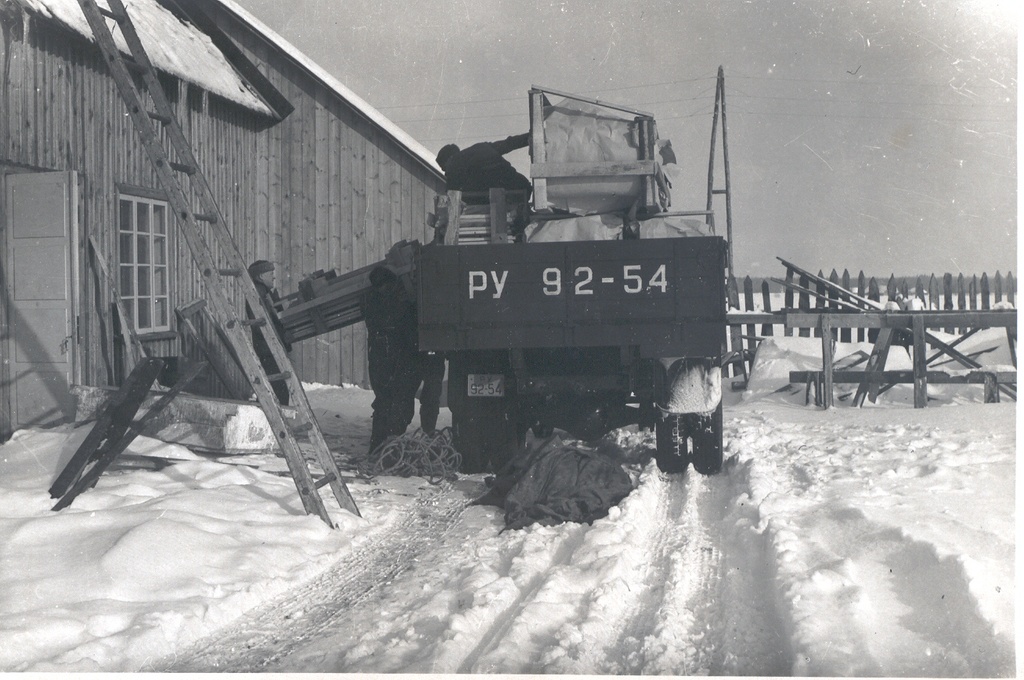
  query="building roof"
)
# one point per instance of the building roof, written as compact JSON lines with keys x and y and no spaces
{"x":174,"y":46}
{"x":181,"y":49}
{"x":373,"y":115}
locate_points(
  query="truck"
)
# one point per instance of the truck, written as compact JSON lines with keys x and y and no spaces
{"x":624,"y":327}
{"x":584,"y":307}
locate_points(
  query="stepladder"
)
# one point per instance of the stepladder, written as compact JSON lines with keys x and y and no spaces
{"x":228,"y":287}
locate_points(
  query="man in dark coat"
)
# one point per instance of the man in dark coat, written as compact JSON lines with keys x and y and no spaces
{"x":482,"y":166}
{"x":390,"y":318}
{"x":262,"y":274}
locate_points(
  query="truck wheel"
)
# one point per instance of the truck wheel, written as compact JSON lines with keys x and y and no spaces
{"x":670,"y":438}
{"x":706,"y":433}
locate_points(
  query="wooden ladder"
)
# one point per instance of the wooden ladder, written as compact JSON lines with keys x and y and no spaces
{"x":220,"y":270}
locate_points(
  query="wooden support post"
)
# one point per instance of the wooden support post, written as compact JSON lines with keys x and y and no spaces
{"x":499,"y":216}
{"x":136,"y":352}
{"x":826,"y":359}
{"x":451,"y":236}
{"x":112,"y":423}
{"x":876,"y":363}
{"x":991,"y":388}
{"x":920,"y":365}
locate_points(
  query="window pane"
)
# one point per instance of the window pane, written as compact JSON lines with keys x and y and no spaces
{"x":142,"y":255}
{"x":144,"y":288}
{"x":125,"y":254}
{"x":160,"y":281}
{"x":127,"y":281}
{"x":129,"y":310}
{"x":159,"y":250}
{"x":160,"y":319}
{"x":159,"y":219}
{"x":125,"y":218}
{"x":143,"y":217}
{"x":144,"y":318}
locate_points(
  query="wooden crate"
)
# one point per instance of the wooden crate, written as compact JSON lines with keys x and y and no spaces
{"x":327,"y":301}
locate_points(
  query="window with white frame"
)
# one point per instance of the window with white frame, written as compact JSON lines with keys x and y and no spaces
{"x":142,"y":254}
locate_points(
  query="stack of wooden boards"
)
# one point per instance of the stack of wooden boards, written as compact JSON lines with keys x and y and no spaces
{"x":327,"y":301}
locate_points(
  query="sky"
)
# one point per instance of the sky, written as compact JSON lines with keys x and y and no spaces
{"x":874,"y":136}
{"x":857,"y":542}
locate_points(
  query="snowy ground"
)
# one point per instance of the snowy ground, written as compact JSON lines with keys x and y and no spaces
{"x":873,"y":541}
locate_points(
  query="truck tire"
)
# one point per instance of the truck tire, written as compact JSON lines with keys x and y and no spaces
{"x":670,"y":439}
{"x":706,"y":432}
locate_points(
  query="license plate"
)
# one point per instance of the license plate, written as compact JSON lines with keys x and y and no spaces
{"x":485,"y":385}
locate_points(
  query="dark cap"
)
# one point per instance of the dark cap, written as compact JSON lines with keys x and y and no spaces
{"x":446,"y":152}
{"x":260,"y":267}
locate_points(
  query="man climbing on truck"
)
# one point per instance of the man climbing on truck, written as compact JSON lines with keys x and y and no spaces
{"x":483,"y":166}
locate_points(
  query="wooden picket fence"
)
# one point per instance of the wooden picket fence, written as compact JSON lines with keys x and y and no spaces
{"x":941,"y":292}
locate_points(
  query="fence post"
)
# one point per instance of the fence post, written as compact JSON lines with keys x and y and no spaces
{"x":1011,"y":286}
{"x":984,"y":292}
{"x":947,"y":295}
{"x":973,"y":292}
{"x":862,"y":290}
{"x":933,"y":293}
{"x":875,"y":295}
{"x":748,"y":301}
{"x":961,"y":296}
{"x":819,"y":301}
{"x":787,"y":299}
{"x":999,"y":286}
{"x":804,"y":303}
{"x":766,"y":300}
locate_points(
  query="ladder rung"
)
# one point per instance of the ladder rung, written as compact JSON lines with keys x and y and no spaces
{"x":325,"y":480}
{"x":718,"y":191}
{"x":183,"y":168}
{"x":202,"y":217}
{"x":162,"y":118}
{"x":302,"y":427}
{"x":110,"y":14}
{"x":279,"y":376}
{"x":229,"y":272}
{"x":259,"y":323}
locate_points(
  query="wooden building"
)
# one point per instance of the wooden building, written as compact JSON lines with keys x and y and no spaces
{"x":307,"y":175}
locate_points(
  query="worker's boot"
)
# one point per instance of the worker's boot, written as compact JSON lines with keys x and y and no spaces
{"x":379,"y":431}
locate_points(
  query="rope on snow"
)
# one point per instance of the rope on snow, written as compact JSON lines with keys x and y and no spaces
{"x":419,"y":454}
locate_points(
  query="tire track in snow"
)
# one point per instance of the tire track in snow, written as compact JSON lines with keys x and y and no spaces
{"x":627,"y":654}
{"x":679,"y":642}
{"x":271,"y":632}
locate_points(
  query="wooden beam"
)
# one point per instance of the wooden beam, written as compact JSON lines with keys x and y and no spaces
{"x":898,"y":319}
{"x":906,"y":377}
{"x":597,"y":169}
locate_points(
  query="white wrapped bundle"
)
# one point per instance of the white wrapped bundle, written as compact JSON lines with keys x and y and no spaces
{"x":578,"y":132}
{"x":585,"y":228}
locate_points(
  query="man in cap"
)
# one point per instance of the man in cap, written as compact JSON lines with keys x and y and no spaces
{"x":262,"y":274}
{"x":483,"y":166}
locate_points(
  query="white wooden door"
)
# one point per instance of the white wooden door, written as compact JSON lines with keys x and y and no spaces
{"x":40,"y":268}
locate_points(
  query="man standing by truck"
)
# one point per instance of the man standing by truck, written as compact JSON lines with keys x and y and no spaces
{"x":390,"y":318}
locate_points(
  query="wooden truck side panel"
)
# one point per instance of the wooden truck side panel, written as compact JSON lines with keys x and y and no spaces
{"x":666,"y":296}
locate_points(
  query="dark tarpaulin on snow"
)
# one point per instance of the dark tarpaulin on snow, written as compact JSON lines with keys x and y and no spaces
{"x":555,"y":483}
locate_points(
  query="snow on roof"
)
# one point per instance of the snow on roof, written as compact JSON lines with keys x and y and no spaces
{"x":372,"y":114}
{"x":174,"y":46}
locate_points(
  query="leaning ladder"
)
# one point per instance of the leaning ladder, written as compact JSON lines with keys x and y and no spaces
{"x":217,"y":270}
